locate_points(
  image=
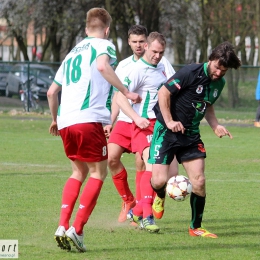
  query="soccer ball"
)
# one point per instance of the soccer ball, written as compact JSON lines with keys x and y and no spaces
{"x":178,"y":188}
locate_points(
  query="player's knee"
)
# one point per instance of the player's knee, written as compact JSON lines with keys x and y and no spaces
{"x":140,"y":167}
{"x":79,"y":175}
{"x":198,"y":183}
{"x":112,"y":160}
{"x":158,"y":182}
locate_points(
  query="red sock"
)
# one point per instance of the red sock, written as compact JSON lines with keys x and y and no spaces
{"x":88,"y":200}
{"x":137,"y":185}
{"x":147,"y":194}
{"x":121,"y":184}
{"x":138,"y":208}
{"x":69,"y":196}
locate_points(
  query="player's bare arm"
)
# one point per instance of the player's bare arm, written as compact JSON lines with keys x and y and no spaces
{"x":114,"y":114}
{"x":129,"y":111}
{"x":114,"y":109}
{"x":164,"y":96}
{"x":108,"y":73}
{"x":52,"y":96}
{"x":218,"y":129}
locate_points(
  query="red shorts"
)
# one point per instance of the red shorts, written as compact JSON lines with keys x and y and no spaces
{"x":85,"y":142}
{"x":141,"y":138}
{"x":121,"y":135}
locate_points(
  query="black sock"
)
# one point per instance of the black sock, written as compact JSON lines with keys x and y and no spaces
{"x":160,"y":192}
{"x":197,"y":204}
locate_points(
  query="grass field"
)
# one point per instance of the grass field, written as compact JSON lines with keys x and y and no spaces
{"x":33,"y":170}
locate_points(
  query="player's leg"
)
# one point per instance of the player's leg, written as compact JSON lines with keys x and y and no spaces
{"x":160,"y":157}
{"x":71,"y":188}
{"x":195,"y":171}
{"x":119,"y":142}
{"x":119,"y":173}
{"x":69,"y":196}
{"x":88,"y":200}
{"x":147,"y":195}
{"x":140,"y":169}
{"x":173,"y":169}
{"x":90,"y":150}
{"x":158,"y":183}
{"x":159,"y":200}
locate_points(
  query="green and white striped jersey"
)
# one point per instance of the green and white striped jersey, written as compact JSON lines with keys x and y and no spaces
{"x":84,"y":91}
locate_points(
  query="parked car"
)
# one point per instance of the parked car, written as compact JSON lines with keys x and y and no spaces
{"x":4,"y":70}
{"x":43,"y":77}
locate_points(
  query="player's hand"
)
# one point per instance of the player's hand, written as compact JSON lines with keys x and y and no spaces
{"x":142,"y":122}
{"x":221,"y":131}
{"x":175,"y":126}
{"x":54,"y":129}
{"x":107,"y":130}
{"x":134,"y":97}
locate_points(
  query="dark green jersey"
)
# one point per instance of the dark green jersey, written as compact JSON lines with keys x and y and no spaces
{"x":192,"y":90}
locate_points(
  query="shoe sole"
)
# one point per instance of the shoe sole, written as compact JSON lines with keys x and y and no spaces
{"x":209,"y":235}
{"x":152,"y":231}
{"x":74,"y":244}
{"x":62,"y":243}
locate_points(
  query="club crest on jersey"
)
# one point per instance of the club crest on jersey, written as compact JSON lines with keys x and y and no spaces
{"x":174,"y":82}
{"x":199,"y":89}
{"x":215,"y":93}
{"x":127,"y":81}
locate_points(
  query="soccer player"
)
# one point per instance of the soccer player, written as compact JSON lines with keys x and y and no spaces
{"x":120,"y":138}
{"x":86,"y":77}
{"x":145,"y":79}
{"x":183,"y":101}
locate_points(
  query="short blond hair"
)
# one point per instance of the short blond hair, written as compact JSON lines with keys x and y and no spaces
{"x":98,"y":18}
{"x":156,"y":36}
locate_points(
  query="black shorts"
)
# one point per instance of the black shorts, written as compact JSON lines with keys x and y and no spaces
{"x":166,"y":144}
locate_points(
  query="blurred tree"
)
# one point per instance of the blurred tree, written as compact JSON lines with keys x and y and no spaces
{"x":17,"y":15}
{"x":179,"y":22}
{"x":60,"y":21}
{"x":127,"y":13}
{"x":228,"y":20}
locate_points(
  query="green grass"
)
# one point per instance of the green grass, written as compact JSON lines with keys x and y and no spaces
{"x":33,"y":170}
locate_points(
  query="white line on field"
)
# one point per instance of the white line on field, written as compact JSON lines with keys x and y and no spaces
{"x":41,"y":165}
{"x":31,"y":165}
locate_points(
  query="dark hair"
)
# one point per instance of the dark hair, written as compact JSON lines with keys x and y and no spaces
{"x":156,"y":36}
{"x":137,"y":30}
{"x":225,"y":54}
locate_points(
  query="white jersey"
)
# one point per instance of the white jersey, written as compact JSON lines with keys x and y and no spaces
{"x":123,"y":68}
{"x":169,"y":70}
{"x":127,"y":65}
{"x":85,"y":92}
{"x":146,"y":79}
